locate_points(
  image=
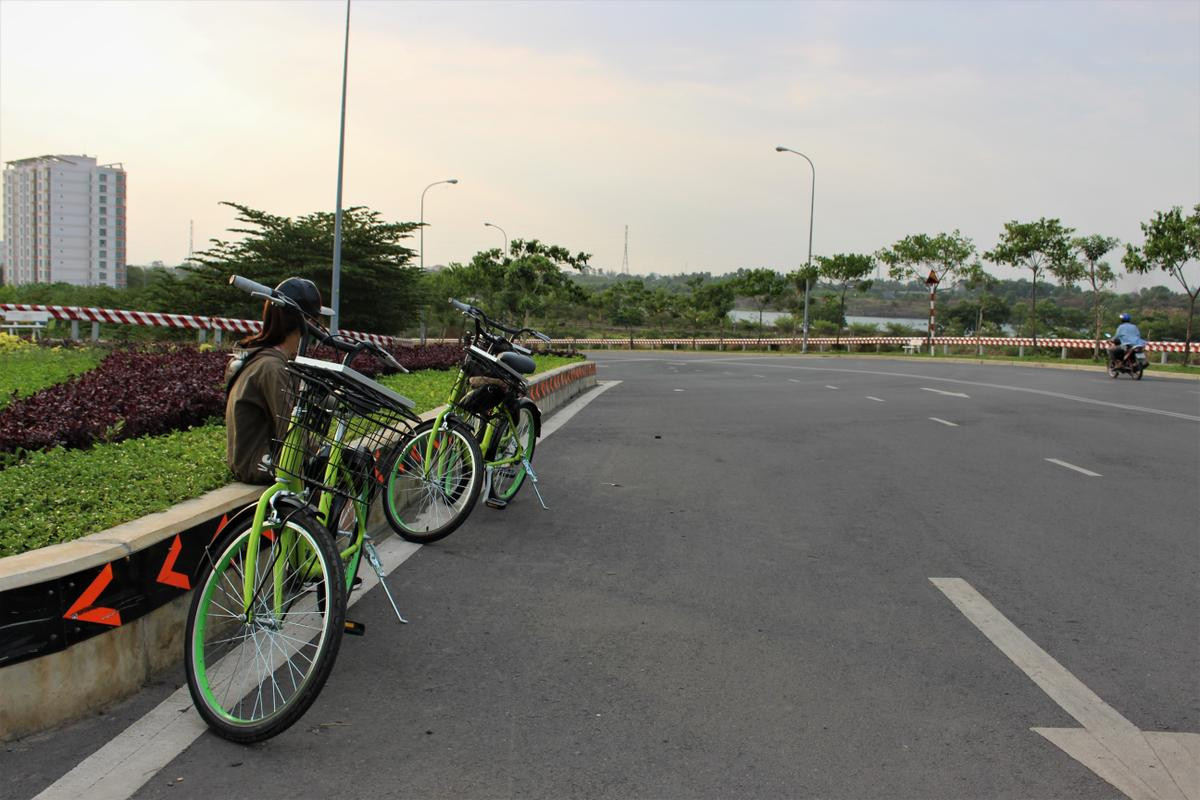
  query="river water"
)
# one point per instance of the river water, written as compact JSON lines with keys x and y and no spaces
{"x":769,"y":318}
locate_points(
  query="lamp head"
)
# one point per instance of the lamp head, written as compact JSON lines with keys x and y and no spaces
{"x":780,"y":149}
{"x":452,"y":180}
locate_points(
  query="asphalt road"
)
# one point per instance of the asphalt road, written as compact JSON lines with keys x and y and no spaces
{"x":731,"y":596}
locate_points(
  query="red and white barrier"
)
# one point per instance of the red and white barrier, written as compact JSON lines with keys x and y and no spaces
{"x":163,"y":320}
{"x":244,"y":326}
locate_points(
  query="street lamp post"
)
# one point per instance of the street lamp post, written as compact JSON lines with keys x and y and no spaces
{"x":502,"y":233}
{"x":336,"y":293}
{"x":423,"y":191}
{"x":811,"y":202}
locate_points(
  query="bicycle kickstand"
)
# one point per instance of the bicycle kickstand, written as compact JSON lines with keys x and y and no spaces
{"x":377,"y":565}
{"x":534,"y":478}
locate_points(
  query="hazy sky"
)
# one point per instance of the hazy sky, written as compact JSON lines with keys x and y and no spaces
{"x":567,"y":121}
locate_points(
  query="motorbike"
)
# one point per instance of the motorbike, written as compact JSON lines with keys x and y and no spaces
{"x":1125,"y":358}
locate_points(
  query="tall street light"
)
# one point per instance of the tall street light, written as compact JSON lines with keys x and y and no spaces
{"x":502,"y":233}
{"x":336,"y":294}
{"x":811,"y":202}
{"x":423,"y":191}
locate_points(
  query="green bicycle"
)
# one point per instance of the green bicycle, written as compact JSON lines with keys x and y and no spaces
{"x":269,"y":610}
{"x":488,"y":404}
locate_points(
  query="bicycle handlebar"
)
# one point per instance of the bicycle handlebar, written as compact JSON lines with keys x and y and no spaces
{"x":478,"y":315}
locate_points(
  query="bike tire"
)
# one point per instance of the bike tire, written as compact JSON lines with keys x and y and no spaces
{"x":508,"y":480}
{"x":219,"y":640}
{"x":423,"y":506}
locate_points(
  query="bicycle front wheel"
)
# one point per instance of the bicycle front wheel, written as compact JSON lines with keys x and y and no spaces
{"x":517,"y":440}
{"x":253,"y":668}
{"x":433,"y":481}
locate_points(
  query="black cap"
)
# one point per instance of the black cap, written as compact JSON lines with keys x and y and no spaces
{"x":304,"y":292}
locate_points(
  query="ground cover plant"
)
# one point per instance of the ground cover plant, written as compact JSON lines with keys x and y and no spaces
{"x":130,"y":394}
{"x":62,"y":494}
{"x":26,"y":368}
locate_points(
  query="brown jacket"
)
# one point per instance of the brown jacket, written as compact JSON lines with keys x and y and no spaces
{"x":256,"y":411}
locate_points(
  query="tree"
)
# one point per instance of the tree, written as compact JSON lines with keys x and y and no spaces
{"x":977,"y":280}
{"x":1172,"y":242}
{"x":528,"y":282}
{"x":1090,"y":249}
{"x":802,"y":281}
{"x":707,"y":304}
{"x":915,"y":257}
{"x":1035,"y":246}
{"x":624,"y":304}
{"x":379,"y":289}
{"x":763,"y":286}
{"x":846,"y":270}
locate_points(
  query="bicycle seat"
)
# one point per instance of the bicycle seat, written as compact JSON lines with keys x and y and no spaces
{"x":519,"y":363}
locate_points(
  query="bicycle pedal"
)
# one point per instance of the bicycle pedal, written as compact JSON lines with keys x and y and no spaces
{"x":355,"y":628}
{"x":496,"y":503}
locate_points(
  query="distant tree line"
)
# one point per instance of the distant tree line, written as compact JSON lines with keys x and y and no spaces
{"x":1068,"y":290}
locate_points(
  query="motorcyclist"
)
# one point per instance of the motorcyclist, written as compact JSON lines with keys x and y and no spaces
{"x":1125,"y":339}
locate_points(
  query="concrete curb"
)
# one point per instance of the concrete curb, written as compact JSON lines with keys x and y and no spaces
{"x":44,"y":691}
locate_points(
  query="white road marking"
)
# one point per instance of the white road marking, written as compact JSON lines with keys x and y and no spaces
{"x":122,"y":766}
{"x":827,"y":386}
{"x":939,"y":391}
{"x":1077,"y":469}
{"x":945,"y":422}
{"x":679,"y":363}
{"x":795,"y":380}
{"x":760,"y":376}
{"x":127,"y":762}
{"x":1000,"y":386}
{"x":876,"y":399}
{"x":1149,"y":765}
{"x":563,"y":416}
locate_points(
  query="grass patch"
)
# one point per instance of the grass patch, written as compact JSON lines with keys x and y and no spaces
{"x":26,"y":371}
{"x":61,"y":495}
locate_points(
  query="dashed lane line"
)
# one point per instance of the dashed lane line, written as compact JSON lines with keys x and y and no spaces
{"x":940,"y":391}
{"x":945,"y":422}
{"x":960,"y":382}
{"x":827,"y":386}
{"x":1072,"y":466}
{"x":876,"y":399}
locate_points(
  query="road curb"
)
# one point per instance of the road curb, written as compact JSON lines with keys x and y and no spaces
{"x":88,"y":622}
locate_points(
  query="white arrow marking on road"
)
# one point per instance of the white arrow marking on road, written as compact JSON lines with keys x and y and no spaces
{"x":945,"y":422}
{"x":940,"y":391}
{"x":876,"y":399}
{"x":1145,"y":765}
{"x":1077,"y":469}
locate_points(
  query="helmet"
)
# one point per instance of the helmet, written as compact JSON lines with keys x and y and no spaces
{"x":304,"y":292}
{"x":1124,"y":318}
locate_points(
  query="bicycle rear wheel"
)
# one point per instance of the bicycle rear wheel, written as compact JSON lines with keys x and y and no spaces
{"x":253,"y":671}
{"x":517,"y":439}
{"x":426,"y":497}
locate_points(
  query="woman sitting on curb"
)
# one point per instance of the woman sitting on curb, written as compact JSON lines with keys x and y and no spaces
{"x":257,"y":383}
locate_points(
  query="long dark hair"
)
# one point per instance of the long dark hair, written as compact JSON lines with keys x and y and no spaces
{"x":278,"y":323}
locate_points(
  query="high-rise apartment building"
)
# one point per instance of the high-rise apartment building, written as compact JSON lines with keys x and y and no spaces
{"x":64,"y":220}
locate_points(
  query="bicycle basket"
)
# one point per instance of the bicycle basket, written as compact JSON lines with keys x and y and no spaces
{"x":336,"y":415}
{"x":481,"y":364}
